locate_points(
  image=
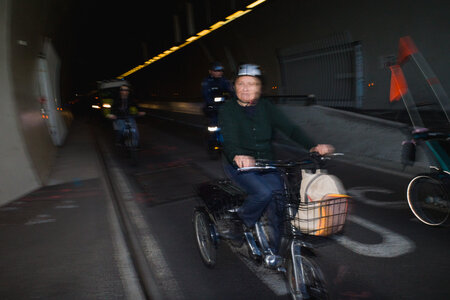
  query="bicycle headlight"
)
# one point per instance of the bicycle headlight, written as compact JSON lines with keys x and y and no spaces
{"x":213,"y":128}
{"x":219,"y":99}
{"x":106,"y":105}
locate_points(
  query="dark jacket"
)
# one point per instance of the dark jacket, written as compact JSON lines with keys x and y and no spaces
{"x":124,"y":107}
{"x":215,"y":87}
{"x":251,"y":134}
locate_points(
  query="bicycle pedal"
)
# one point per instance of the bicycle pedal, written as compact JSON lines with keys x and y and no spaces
{"x":273,"y":261}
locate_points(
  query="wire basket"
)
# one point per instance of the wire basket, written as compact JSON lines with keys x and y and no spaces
{"x":225,"y":208}
{"x":318,"y":218}
{"x":221,"y":198}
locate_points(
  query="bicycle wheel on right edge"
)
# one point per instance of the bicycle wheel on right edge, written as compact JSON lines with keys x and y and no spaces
{"x":428,"y":199}
{"x":304,"y":278}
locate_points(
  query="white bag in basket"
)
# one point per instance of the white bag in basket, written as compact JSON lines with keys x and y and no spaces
{"x":323,"y":204}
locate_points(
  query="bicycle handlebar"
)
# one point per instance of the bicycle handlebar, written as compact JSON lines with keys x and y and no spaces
{"x":315,"y":159}
{"x":422,"y":133}
{"x":245,"y":169}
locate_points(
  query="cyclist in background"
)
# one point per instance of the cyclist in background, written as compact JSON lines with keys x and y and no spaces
{"x":124,"y":108}
{"x":215,"y":85}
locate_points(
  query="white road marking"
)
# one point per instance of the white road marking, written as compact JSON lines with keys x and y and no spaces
{"x":359,"y":194}
{"x":165,"y":278}
{"x":127,"y":273}
{"x":393,"y":244}
{"x":40,"y":219}
{"x":66,"y":206}
{"x":9,"y":208}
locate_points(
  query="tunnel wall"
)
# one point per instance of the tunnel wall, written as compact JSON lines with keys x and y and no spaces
{"x":26,"y":150}
{"x":279,"y":26}
{"x":363,"y":139}
{"x":17,"y":168}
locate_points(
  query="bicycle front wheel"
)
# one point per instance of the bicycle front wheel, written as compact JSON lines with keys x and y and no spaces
{"x":204,"y":236}
{"x":305,"y":280}
{"x":131,"y":144}
{"x":428,"y":200}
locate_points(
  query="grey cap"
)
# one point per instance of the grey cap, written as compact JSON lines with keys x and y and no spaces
{"x":249,"y":70}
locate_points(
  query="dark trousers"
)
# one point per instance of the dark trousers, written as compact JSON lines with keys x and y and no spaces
{"x":261,"y":188}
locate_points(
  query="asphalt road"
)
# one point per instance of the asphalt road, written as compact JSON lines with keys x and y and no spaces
{"x":383,"y":254}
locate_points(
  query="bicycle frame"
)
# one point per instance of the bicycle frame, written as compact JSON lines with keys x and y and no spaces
{"x":433,"y":147}
{"x":296,"y":254}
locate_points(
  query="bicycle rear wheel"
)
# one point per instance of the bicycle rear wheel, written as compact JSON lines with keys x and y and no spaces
{"x":204,"y":236}
{"x":305,"y":280}
{"x":428,"y":200}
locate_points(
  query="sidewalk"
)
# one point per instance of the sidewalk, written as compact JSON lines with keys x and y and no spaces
{"x":62,"y":241}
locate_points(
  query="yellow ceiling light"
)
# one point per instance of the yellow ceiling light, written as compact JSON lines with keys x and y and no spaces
{"x":217,"y":25}
{"x":184,"y":44}
{"x":193,"y":38}
{"x":238,"y":14}
{"x":204,"y":32}
{"x":256,"y":3}
{"x":235,"y":15}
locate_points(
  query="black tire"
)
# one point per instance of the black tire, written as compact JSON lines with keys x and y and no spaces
{"x":428,"y":200}
{"x":314,"y":280}
{"x":204,"y":237}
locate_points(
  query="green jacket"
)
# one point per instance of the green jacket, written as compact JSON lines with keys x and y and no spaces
{"x":252,"y":135}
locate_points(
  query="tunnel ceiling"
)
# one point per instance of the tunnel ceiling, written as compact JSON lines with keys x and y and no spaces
{"x":103,"y":39}
{"x":107,"y":37}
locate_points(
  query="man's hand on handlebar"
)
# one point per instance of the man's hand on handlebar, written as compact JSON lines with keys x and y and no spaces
{"x":244,"y":161}
{"x":323,"y":149}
